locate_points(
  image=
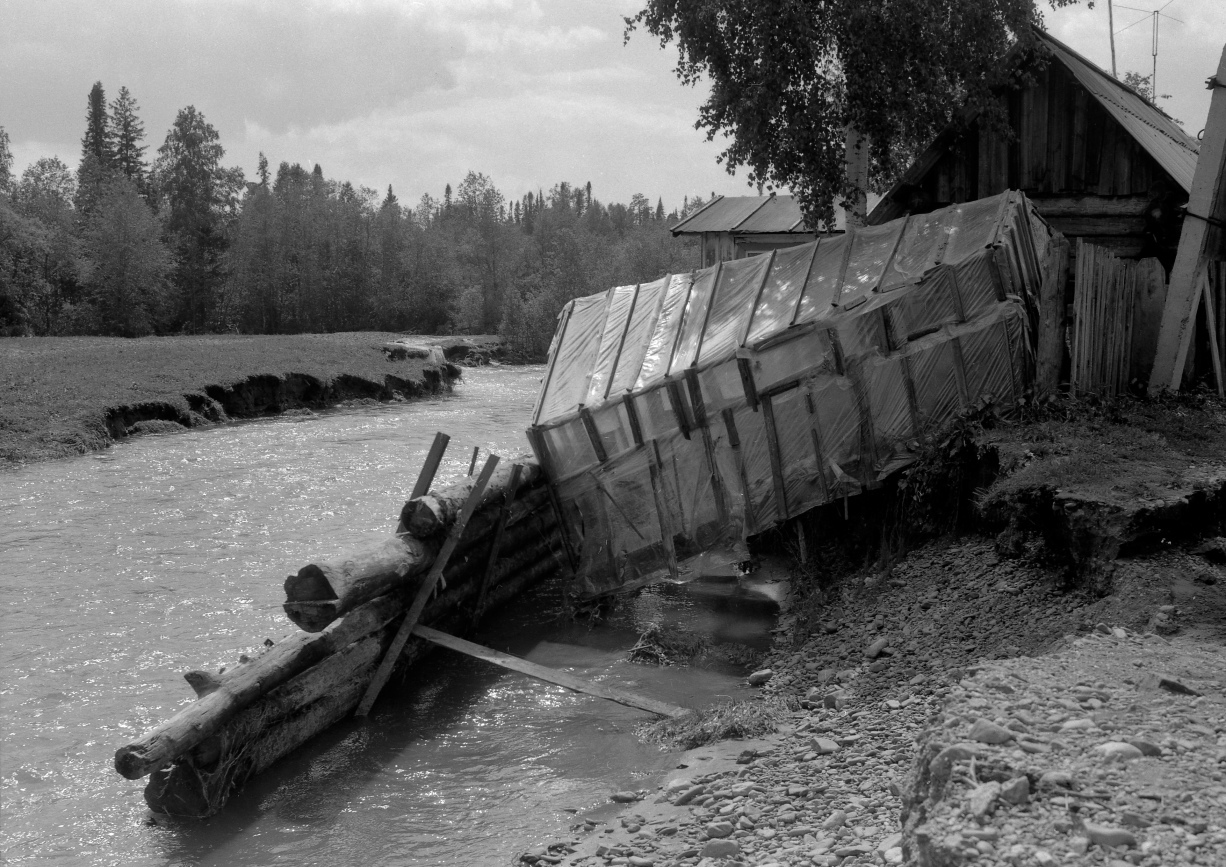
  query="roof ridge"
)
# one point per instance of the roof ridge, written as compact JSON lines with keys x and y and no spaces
{"x":1186,"y":142}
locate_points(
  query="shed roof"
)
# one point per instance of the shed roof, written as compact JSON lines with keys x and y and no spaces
{"x":1152,"y":128}
{"x":772,"y":214}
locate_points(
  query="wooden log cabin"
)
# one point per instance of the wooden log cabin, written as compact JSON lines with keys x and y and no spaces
{"x":1098,"y":161}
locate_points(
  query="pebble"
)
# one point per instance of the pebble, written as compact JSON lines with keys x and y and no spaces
{"x":624,"y":797}
{"x":982,"y":799}
{"x":874,"y":649}
{"x":987,"y":732}
{"x":1118,"y":751}
{"x":837,"y":819}
{"x":1105,"y":835}
{"x":721,"y":849}
{"x":758,"y":678}
{"x":719,"y":829}
{"x":824,"y":746}
{"x":1016,"y":791}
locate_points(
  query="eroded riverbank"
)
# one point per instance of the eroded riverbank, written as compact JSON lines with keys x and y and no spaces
{"x":64,"y":396}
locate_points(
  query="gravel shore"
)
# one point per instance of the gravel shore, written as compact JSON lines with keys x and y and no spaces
{"x":963,"y":709}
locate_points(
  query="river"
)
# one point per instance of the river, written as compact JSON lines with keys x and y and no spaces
{"x":122,"y":570}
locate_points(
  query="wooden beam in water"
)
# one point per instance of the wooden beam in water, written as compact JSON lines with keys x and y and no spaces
{"x":549,"y":675}
{"x":433,"y":458}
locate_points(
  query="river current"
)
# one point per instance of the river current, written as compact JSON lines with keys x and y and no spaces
{"x":122,"y":570}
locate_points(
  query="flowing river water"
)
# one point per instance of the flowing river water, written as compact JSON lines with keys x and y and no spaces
{"x":122,"y":570}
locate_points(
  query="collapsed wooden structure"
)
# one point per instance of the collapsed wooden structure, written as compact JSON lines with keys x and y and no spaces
{"x":483,"y":541}
{"x":680,"y":416}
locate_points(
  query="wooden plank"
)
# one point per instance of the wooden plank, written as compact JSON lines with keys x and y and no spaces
{"x":433,"y":458}
{"x":632,"y":416}
{"x":704,"y":429}
{"x":554,"y":346}
{"x":1079,"y":226}
{"x":537,"y":440}
{"x":1024,"y":126}
{"x":1183,"y":295}
{"x":1215,"y":352}
{"x":593,"y":434}
{"x":738,"y":457}
{"x":1051,"y":317}
{"x":1077,"y":167}
{"x":677,"y":399}
{"x":496,"y":543}
{"x":744,"y":368}
{"x":664,"y":513}
{"x":776,"y":458}
{"x":384,"y":671}
{"x":549,"y":675}
{"x":472,"y":465}
{"x":1105,"y":183}
{"x":1090,"y":206}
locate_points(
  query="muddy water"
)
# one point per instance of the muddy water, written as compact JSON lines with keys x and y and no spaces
{"x":124,"y":569}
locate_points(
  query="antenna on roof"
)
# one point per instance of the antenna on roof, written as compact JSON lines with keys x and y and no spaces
{"x":1154,"y":15}
{"x":1111,"y":33}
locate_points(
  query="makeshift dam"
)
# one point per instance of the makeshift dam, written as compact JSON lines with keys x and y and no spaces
{"x":681,"y":416}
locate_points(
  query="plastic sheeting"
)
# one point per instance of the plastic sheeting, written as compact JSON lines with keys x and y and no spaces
{"x":680,"y":416}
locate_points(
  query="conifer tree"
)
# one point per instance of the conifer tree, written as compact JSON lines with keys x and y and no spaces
{"x":262,"y":170}
{"x":127,"y":133}
{"x":97,"y":141}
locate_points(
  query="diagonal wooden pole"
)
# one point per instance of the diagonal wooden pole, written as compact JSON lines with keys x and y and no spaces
{"x":547,"y":674}
{"x":426,"y":477}
{"x":433,"y":458}
{"x":1199,"y":240}
{"x":384,"y":670}
{"x":1215,"y":351}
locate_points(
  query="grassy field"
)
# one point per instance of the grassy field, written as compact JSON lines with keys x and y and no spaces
{"x":62,"y":396}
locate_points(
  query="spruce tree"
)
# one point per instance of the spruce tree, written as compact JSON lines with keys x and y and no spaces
{"x":127,"y":133}
{"x":97,"y":141}
{"x":262,"y":170}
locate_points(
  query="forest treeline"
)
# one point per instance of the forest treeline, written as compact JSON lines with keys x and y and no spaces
{"x":177,"y":242}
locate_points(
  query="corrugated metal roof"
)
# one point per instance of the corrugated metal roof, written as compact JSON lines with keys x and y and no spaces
{"x":722,"y":214}
{"x":1162,"y":138}
{"x":780,"y":214}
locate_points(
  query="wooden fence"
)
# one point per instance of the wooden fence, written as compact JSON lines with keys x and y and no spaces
{"x":1117,"y":309}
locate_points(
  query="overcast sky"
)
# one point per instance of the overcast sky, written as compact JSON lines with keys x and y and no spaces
{"x":416,"y":93}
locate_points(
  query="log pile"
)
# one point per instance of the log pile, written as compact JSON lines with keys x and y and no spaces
{"x":247,"y":717}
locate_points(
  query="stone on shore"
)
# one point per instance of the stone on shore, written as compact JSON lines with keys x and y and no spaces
{"x":721,"y":849}
{"x":988,"y":732}
{"x":1105,"y":835}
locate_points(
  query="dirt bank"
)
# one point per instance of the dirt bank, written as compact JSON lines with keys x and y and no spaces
{"x":62,"y":396}
{"x":1049,"y":688}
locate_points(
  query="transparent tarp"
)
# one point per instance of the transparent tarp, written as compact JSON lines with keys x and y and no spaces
{"x":680,"y":416}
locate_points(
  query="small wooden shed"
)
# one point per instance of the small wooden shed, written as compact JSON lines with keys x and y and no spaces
{"x":1098,"y":162}
{"x":733,"y":227}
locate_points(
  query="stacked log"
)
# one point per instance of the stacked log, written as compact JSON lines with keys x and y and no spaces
{"x":247,"y":717}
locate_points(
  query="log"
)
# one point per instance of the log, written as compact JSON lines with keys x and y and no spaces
{"x":197,"y":783}
{"x":398,"y":556}
{"x":432,"y":514}
{"x":342,"y":584}
{"x":244,"y":684}
{"x":313,"y":616}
